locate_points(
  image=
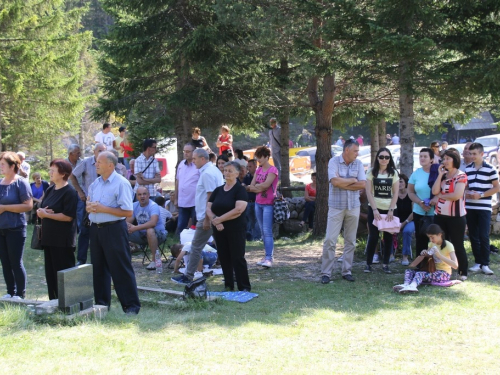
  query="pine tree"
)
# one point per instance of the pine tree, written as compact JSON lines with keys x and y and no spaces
{"x":41,"y":71}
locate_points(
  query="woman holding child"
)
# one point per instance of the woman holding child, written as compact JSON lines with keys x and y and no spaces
{"x":226,"y":210}
{"x":442,"y":252}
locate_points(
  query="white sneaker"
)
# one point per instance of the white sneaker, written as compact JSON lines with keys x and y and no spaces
{"x":476,"y":268}
{"x":397,"y":288}
{"x":7,"y":296}
{"x":340,"y":259}
{"x":267,"y":263}
{"x":405,"y":263}
{"x":462,"y":278}
{"x":486,"y":270}
{"x":392,"y":259}
{"x":151,"y":266}
{"x":409,"y":289}
{"x":16,"y":298}
{"x":259,"y":263}
{"x":375,"y":259}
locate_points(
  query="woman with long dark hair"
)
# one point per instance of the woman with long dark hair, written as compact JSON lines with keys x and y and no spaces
{"x":382,"y":184}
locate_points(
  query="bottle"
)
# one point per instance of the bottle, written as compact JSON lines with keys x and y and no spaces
{"x":158,"y":263}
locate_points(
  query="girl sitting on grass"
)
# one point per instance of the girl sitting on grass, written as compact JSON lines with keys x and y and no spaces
{"x":445,"y":259}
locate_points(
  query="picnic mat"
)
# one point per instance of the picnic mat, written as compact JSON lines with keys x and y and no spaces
{"x":240,"y":297}
{"x":445,"y":284}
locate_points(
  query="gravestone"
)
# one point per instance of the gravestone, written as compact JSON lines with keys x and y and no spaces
{"x":75,"y":288}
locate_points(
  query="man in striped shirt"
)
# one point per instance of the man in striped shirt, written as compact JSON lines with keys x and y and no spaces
{"x":482,"y":184}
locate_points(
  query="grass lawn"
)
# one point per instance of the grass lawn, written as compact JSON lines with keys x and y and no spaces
{"x":296,"y":325}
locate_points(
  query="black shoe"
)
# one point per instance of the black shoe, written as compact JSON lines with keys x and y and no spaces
{"x":348,"y":278}
{"x":386,"y":269}
{"x":367,"y":269}
{"x":325,"y":280}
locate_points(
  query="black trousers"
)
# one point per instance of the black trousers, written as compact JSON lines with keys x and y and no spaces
{"x":111,"y":259}
{"x":421,"y":240}
{"x":231,"y":251}
{"x":454,"y":228}
{"x":373,"y":236}
{"x":56,"y":259}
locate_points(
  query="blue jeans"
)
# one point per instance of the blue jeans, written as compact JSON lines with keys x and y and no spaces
{"x":185,"y":213}
{"x":309,"y":209}
{"x":478,"y":222}
{"x":11,"y":256}
{"x":84,"y":235}
{"x":408,"y":231}
{"x":253,"y":230}
{"x":264,"y":213}
{"x":126,"y":163}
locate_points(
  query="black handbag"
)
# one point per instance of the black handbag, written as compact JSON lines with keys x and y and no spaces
{"x":36,"y":237}
{"x":196,"y":289}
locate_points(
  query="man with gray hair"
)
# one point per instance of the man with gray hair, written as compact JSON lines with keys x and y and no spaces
{"x":82,"y":177}
{"x":347,"y":177}
{"x":24,"y":169}
{"x":210,"y":179}
{"x":109,"y":204}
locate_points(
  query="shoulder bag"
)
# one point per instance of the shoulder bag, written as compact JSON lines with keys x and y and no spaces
{"x":36,"y":237}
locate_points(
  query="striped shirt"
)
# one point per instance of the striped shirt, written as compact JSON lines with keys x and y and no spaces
{"x":342,"y":199}
{"x":480,"y":180}
{"x":452,"y":208}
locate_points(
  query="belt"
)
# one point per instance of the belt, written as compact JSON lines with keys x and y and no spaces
{"x":251,"y":201}
{"x":105,"y":224}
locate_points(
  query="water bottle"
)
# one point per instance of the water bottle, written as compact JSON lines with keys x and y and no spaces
{"x":158,"y":263}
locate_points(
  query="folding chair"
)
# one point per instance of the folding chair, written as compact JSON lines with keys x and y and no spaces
{"x":146,"y":250}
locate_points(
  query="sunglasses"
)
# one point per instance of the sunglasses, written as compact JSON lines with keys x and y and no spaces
{"x":382,"y":157}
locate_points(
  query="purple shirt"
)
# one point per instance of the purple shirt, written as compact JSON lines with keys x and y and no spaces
{"x":188,"y":176}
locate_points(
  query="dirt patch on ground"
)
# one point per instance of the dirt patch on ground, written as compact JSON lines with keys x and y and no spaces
{"x":300,"y":263}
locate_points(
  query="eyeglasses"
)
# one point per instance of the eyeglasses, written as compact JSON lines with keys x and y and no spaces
{"x":382,"y":157}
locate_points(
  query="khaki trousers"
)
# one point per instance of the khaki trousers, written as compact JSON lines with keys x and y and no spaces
{"x":336,"y":218}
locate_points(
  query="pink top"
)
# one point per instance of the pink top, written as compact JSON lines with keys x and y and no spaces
{"x":266,"y":197}
{"x":452,"y":208}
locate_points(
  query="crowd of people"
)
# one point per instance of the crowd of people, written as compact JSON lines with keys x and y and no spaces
{"x":108,"y":201}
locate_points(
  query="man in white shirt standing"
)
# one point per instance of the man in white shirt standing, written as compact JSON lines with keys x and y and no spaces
{"x":106,"y":137}
{"x":24,"y":171}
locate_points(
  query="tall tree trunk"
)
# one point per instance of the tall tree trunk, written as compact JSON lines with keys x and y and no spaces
{"x":284,"y":121}
{"x":184,"y":126}
{"x":374,"y":141}
{"x":323,"y":110}
{"x":382,"y":127}
{"x":406,"y":121}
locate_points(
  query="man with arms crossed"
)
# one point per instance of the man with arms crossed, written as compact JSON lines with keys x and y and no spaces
{"x":347,"y":177}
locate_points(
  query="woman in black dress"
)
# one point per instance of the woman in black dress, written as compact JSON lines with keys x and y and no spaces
{"x":226,"y":210}
{"x":58,"y":214}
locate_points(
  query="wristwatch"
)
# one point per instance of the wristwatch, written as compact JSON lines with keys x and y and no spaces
{"x":481,"y":195}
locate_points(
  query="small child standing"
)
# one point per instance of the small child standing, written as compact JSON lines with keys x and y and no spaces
{"x":444,"y":257}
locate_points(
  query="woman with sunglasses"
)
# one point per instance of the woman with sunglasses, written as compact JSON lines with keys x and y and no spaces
{"x":382,"y":184}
